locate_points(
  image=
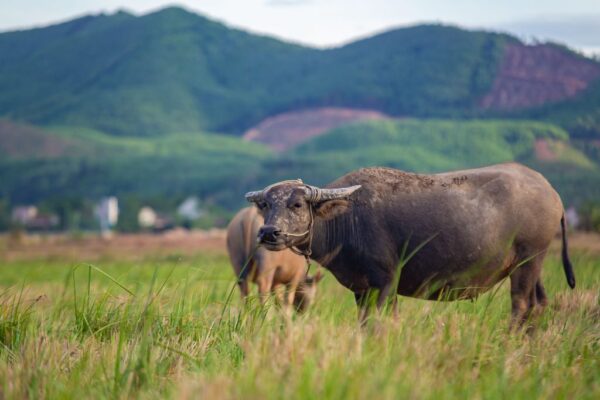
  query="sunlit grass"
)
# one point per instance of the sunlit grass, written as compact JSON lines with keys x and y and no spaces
{"x":161,"y":328}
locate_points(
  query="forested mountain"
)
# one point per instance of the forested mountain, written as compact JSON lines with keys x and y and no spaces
{"x":154,"y":106}
{"x":175,"y":71}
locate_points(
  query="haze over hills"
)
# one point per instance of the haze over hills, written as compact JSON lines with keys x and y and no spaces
{"x":119,"y":104}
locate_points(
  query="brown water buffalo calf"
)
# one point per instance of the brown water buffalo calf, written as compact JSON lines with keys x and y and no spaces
{"x":466,"y":231}
{"x":268,"y":269}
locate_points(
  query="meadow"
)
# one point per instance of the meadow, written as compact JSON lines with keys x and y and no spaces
{"x":166,"y":321}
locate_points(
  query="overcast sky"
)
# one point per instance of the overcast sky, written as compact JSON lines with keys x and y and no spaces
{"x":331,"y":22}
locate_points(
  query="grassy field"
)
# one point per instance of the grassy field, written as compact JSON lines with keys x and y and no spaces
{"x":163,"y":322}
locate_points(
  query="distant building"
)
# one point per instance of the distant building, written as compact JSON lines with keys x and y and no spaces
{"x":23,"y":214}
{"x":150,"y":219}
{"x":163,"y":223}
{"x":189,"y":210}
{"x":572,"y":217}
{"x":146,"y":218}
{"x":30,"y":218}
{"x":107,"y":212}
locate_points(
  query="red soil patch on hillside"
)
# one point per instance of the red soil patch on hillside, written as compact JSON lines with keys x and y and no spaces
{"x":543,"y":152}
{"x":284,"y":131}
{"x":25,"y":141}
{"x":534,"y":75}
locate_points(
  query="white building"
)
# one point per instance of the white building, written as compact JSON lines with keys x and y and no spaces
{"x":146,"y":217}
{"x":572,"y":217}
{"x":23,"y":214}
{"x":189,"y":209}
{"x":107,"y":212}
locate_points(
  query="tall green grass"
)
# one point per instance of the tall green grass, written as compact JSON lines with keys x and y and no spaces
{"x":162,"y":329}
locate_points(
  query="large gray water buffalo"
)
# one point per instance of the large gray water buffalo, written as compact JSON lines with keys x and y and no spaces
{"x":441,"y":237}
{"x":268,"y":269}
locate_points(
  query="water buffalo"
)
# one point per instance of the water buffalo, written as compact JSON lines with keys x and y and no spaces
{"x":266,"y":268}
{"x":442,"y":237}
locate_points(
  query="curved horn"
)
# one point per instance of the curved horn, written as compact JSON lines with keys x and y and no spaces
{"x":315,"y":194}
{"x":254,"y":196}
{"x":260,"y":194}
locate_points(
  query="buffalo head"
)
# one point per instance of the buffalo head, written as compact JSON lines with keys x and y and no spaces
{"x":290,"y":207}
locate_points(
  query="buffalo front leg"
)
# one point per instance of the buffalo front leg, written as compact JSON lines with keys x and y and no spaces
{"x":265,"y":283}
{"x":290,"y":294}
{"x":374,"y":298}
{"x":362,"y":306}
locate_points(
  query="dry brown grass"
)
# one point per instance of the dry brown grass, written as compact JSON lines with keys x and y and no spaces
{"x":131,"y":247}
{"x":93,"y":248}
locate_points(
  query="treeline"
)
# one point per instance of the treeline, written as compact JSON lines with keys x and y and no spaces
{"x":162,"y":172}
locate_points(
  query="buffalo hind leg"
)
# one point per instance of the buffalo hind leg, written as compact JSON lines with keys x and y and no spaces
{"x":540,"y":294}
{"x":243,"y":278}
{"x":525,"y":290}
{"x":243,"y":284}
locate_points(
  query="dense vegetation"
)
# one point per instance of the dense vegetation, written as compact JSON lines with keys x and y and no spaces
{"x":580,"y":116}
{"x":121,"y":105}
{"x":174,"y":71}
{"x":439,"y":145}
{"x":175,"y":329}
{"x":162,"y":171}
{"x":180,"y":164}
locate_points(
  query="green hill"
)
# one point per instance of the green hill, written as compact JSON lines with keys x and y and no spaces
{"x":177,"y":165}
{"x":23,"y":141}
{"x":175,"y":71}
{"x":169,"y":71}
{"x":580,"y":116}
{"x":219,"y":169}
{"x":441,"y":145}
{"x":426,"y":70}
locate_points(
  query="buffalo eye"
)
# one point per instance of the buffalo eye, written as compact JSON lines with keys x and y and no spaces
{"x":297,"y":205}
{"x":262,"y":205}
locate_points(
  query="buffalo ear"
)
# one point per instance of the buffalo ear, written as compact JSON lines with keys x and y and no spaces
{"x":331,"y":208}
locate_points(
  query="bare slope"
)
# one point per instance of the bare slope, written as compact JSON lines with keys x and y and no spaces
{"x":23,"y":141}
{"x":287,"y":130}
{"x":535,"y":75}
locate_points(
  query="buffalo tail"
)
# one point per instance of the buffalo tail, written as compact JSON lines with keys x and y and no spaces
{"x":565,"y":255}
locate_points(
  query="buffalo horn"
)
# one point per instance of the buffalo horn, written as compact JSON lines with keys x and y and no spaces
{"x":315,"y":194}
{"x":254,"y":196}
{"x":260,"y":194}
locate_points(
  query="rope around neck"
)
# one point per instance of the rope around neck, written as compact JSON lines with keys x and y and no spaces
{"x":308,"y":232}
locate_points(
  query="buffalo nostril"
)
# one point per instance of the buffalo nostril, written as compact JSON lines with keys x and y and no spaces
{"x":268,"y":233}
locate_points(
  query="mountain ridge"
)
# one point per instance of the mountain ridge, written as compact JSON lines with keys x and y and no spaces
{"x":173,"y":70}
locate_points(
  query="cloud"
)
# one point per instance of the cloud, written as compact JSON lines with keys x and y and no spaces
{"x":287,"y":2}
{"x":580,"y":31}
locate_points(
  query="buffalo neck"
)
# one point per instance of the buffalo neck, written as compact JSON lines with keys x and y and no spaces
{"x":328,"y":237}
